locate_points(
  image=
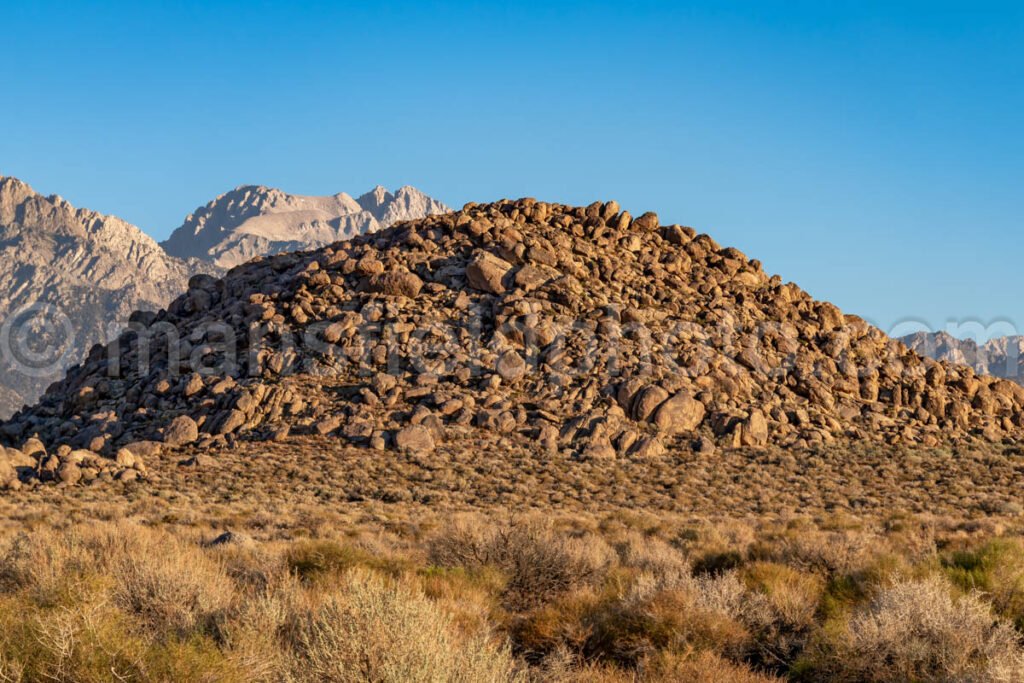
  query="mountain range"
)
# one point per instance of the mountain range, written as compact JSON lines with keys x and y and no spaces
{"x":1000,"y":357}
{"x":70,"y":277}
{"x":253,"y":220}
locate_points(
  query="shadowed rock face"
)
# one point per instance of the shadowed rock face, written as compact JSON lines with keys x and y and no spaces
{"x":255,"y":220}
{"x":68,"y":277}
{"x":580,"y":332}
{"x":1000,"y":357}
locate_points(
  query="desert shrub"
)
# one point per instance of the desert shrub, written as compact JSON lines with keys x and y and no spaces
{"x":541,"y":564}
{"x":315,"y":559}
{"x":463,"y":542}
{"x":449,"y":583}
{"x":308,"y":559}
{"x":792,"y":595}
{"x":566,"y":623}
{"x":266,"y":628}
{"x":791,"y":599}
{"x":708,"y":539}
{"x":471,"y":596}
{"x":669,"y":621}
{"x":113,"y":602}
{"x":711,"y":613}
{"x":651,"y":555}
{"x":995,"y":568}
{"x":843,"y":552}
{"x":95,"y":643}
{"x":562,"y":666}
{"x":376,"y":630}
{"x":701,"y":667}
{"x":47,"y":564}
{"x":915,"y":538}
{"x":165,"y":583}
{"x":85,"y":642}
{"x":250,"y":566}
{"x":917,"y":630}
{"x":200,"y":659}
{"x":716,"y":563}
{"x":858,"y":583}
{"x":11,"y":671}
{"x":538,"y":562}
{"x":171,"y":588}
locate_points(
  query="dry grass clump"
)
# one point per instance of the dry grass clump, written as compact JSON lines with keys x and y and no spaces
{"x":652,"y":555}
{"x":372,"y":630}
{"x":703,"y":667}
{"x":920,"y":631}
{"x":171,"y":588}
{"x":704,"y":613}
{"x":538,"y":562}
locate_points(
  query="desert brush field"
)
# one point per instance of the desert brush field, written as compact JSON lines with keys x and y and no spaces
{"x":402,"y":592}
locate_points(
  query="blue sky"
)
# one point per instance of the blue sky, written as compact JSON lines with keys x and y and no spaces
{"x":869,"y":151}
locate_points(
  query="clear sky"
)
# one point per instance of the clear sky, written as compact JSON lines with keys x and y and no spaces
{"x":872,"y":152}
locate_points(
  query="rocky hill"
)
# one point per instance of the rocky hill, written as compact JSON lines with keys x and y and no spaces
{"x":576,"y":332}
{"x":67,"y":278}
{"x":1000,"y":357}
{"x":255,"y":220}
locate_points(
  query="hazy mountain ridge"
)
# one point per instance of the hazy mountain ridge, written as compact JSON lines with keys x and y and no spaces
{"x":1000,"y":357}
{"x":255,"y":220}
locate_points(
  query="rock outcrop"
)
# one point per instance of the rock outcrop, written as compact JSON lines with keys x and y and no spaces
{"x":578,"y":332}
{"x":255,"y":220}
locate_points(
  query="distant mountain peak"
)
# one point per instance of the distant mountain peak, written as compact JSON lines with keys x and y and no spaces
{"x":256,"y":220}
{"x":375,"y":198}
{"x":13,"y":189}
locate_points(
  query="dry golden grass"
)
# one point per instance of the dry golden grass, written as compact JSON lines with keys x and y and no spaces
{"x":402,"y":594}
{"x":486,"y":565}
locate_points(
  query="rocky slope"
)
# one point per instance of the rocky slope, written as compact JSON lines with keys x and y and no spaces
{"x":1000,"y":357}
{"x":255,"y":220}
{"x":576,"y":332}
{"x":67,"y":278}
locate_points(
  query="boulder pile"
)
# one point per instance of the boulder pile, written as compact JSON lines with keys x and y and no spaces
{"x":581,"y":331}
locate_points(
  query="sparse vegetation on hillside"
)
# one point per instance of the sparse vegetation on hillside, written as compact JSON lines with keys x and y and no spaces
{"x":413,"y":597}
